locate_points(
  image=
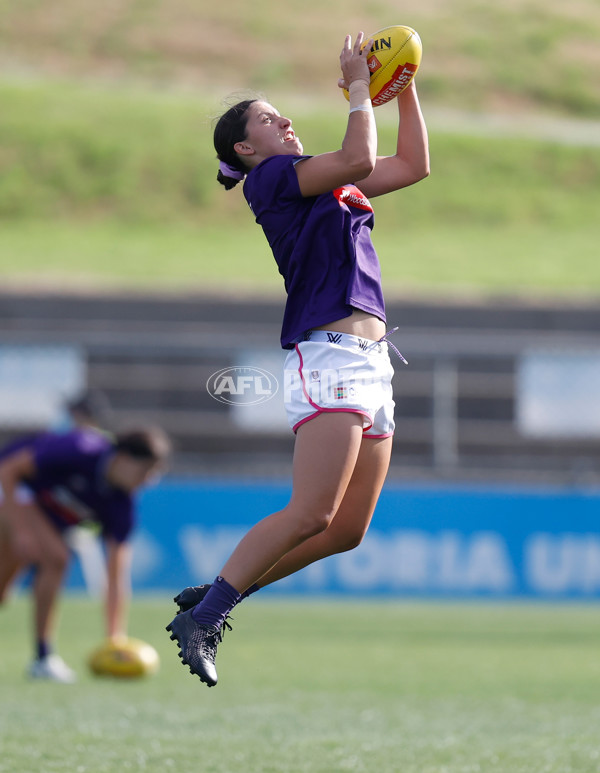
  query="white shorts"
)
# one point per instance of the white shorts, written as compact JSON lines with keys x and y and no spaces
{"x":336,"y":372}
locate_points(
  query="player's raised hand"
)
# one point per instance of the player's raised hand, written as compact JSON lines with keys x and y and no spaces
{"x":353,"y":61}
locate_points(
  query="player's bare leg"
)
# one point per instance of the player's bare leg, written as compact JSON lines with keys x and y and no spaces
{"x":51,"y":567}
{"x":326,"y":452}
{"x":352,"y":518}
{"x":346,"y":530}
{"x":41,"y":545}
{"x":10,"y":565}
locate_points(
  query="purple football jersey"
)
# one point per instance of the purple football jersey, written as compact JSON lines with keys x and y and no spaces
{"x":70,"y":485}
{"x":322,"y":245}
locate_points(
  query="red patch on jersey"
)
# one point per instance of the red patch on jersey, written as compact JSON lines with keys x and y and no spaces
{"x":352,"y":197}
{"x":58,"y":508}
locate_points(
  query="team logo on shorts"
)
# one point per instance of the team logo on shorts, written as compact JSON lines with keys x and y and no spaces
{"x":315,"y":375}
{"x":340,"y":393}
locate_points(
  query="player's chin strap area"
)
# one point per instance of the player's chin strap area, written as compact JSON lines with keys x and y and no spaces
{"x":384,"y":340}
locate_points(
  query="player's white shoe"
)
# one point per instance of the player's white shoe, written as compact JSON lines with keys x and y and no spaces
{"x":52,"y":668}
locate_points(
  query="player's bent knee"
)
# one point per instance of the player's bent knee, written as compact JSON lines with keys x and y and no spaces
{"x":55,"y":561}
{"x":351,"y":542}
{"x":343,"y":542}
{"x":60,"y":563}
{"x":316,"y":523}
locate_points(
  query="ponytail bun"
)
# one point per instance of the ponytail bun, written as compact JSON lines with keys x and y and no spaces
{"x":227,"y":182}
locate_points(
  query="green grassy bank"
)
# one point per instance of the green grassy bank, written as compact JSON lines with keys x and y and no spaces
{"x":117,"y":186}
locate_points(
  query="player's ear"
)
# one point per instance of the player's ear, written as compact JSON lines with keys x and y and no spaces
{"x":244,"y":149}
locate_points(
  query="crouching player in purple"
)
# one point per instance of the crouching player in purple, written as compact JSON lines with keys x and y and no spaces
{"x":52,"y":482}
{"x":316,"y":214}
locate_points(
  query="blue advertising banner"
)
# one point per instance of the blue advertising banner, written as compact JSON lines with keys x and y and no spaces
{"x":423,"y":542}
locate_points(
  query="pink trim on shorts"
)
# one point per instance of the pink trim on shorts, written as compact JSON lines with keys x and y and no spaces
{"x":319,"y":410}
{"x":337,"y":410}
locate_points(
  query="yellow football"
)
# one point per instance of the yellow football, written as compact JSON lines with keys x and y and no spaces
{"x":394,"y":60}
{"x":124,"y":659}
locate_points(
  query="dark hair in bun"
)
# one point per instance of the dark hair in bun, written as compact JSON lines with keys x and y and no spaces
{"x":229,"y":129}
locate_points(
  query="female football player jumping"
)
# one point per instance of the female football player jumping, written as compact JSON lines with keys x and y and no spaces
{"x":316,"y":214}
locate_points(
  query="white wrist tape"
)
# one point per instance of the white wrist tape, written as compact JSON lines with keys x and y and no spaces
{"x":361,"y":108}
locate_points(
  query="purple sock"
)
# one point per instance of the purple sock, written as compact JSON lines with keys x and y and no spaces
{"x":216,"y":605}
{"x":249,"y":591}
{"x":43,"y":649}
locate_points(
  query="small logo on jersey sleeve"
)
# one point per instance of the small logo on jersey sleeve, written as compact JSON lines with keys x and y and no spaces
{"x":352,"y":197}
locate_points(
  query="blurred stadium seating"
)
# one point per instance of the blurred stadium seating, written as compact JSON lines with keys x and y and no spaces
{"x":460,"y":403}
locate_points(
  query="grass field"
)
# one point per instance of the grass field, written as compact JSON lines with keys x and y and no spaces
{"x":324,"y":687}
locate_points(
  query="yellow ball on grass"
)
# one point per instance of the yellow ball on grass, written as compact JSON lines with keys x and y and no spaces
{"x":124,"y":658}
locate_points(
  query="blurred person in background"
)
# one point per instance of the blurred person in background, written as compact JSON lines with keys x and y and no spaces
{"x":91,"y":409}
{"x":53,"y":482}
